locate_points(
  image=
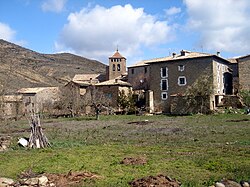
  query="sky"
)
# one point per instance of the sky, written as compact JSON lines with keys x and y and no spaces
{"x":140,"y":29}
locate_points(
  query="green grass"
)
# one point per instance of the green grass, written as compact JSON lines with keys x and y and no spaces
{"x":197,"y":150}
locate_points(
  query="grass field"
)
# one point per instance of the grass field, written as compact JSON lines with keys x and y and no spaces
{"x":196,"y":150}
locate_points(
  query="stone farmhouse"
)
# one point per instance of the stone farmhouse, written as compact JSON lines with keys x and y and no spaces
{"x":163,"y":77}
{"x":81,"y":82}
{"x":36,"y":99}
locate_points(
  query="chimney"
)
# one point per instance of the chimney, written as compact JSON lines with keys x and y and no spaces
{"x":218,"y":53}
{"x":183,"y":53}
{"x":174,"y":55}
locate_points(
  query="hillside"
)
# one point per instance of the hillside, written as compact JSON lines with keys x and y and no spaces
{"x":21,"y":67}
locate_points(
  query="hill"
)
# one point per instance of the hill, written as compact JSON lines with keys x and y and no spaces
{"x":21,"y":67}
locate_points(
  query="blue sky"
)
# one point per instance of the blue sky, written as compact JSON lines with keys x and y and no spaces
{"x":141,"y":29}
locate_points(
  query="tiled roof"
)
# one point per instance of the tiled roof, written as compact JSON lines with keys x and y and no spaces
{"x":243,"y":56}
{"x":82,"y":83}
{"x":85,"y":77}
{"x":117,"y":55}
{"x":187,"y":55}
{"x":233,"y":60}
{"x":34,"y":90}
{"x":183,"y":55}
{"x":114,"y":82}
{"x":141,"y":63}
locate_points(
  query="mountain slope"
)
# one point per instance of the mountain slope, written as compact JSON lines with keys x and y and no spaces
{"x":21,"y":67}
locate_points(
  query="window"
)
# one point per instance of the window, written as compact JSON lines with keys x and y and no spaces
{"x":164,"y":72}
{"x":164,"y":84}
{"x":145,"y":69}
{"x":109,"y":95}
{"x":132,"y":71}
{"x":182,"y":81}
{"x":164,"y":95}
{"x":181,"y":68}
{"x":118,"y":67}
{"x":113,"y":67}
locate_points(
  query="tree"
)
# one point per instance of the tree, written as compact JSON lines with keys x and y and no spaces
{"x":96,"y":99}
{"x":197,"y":95}
{"x":126,"y":101}
{"x":245,"y":97}
{"x":69,"y":101}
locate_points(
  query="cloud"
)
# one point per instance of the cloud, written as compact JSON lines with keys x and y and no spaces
{"x":222,"y":24}
{"x":6,"y":32}
{"x":95,"y":32}
{"x":53,"y":5}
{"x":172,"y":11}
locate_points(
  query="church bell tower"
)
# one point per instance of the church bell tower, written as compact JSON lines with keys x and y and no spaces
{"x":117,"y":66}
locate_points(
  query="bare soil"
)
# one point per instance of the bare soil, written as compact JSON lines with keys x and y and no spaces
{"x":69,"y":179}
{"x":134,"y":161}
{"x":155,"y":181}
{"x":61,"y":180}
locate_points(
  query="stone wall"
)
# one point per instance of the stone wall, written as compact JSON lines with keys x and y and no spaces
{"x":244,"y":72}
{"x":138,"y":77}
{"x":179,"y":105}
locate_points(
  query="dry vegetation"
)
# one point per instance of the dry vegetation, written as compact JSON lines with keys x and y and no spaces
{"x":22,"y":67}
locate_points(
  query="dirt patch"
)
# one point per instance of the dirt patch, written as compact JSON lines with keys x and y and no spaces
{"x":134,"y":161}
{"x":57,"y":180}
{"x":145,"y":122}
{"x":70,"y":179}
{"x":237,"y":120}
{"x":155,"y":181}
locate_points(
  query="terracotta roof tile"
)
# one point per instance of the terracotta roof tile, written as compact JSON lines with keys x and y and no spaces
{"x":117,"y":55}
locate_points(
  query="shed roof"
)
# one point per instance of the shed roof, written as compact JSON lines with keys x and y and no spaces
{"x":81,"y":83}
{"x":85,"y":77}
{"x":114,"y":82}
{"x":34,"y":90}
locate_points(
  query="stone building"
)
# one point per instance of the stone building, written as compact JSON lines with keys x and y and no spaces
{"x":244,"y":72}
{"x":36,"y":99}
{"x":173,"y":74}
{"x":111,"y":89}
